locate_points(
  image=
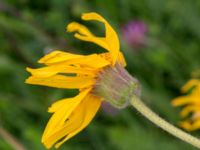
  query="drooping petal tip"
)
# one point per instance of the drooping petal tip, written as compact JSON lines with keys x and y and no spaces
{"x":62,"y":126}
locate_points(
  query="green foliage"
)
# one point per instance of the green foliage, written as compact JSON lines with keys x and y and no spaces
{"x":29,"y":28}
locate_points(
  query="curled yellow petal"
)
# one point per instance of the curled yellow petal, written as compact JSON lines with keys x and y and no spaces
{"x":97,"y":40}
{"x":74,"y":26}
{"x":110,"y":42}
{"x":110,"y":37}
{"x":85,"y":35}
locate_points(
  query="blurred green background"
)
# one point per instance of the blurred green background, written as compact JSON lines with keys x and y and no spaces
{"x":163,"y":63}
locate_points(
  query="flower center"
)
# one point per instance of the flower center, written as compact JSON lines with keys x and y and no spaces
{"x":116,"y":86}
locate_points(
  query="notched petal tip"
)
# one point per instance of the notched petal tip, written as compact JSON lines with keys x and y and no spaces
{"x":81,"y":37}
{"x":30,"y":70}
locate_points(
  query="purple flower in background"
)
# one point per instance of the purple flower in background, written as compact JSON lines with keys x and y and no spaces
{"x":134,"y":33}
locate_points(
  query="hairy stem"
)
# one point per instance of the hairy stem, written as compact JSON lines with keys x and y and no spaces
{"x":153,"y":117}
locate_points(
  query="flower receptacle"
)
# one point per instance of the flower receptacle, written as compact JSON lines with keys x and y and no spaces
{"x":117,"y":86}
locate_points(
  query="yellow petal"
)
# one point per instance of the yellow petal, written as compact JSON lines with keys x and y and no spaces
{"x":120,"y":59}
{"x":85,"y":35}
{"x":196,"y":115}
{"x":186,"y":125}
{"x":79,"y":119}
{"x":58,"y":56}
{"x":110,"y":42}
{"x":61,"y":81}
{"x":111,"y":36}
{"x":55,"y":69}
{"x":60,"y":132}
{"x":97,"y":40}
{"x":93,"y":61}
{"x":92,"y":108}
{"x":63,"y":58}
{"x":196,"y":91}
{"x":196,"y":124}
{"x":182,"y":100}
{"x":74,"y":26}
{"x":189,"y":126}
{"x":190,"y":84}
{"x":188,"y":109}
{"x":62,"y":109}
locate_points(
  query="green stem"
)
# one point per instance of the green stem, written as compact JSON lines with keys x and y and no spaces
{"x":153,"y":117}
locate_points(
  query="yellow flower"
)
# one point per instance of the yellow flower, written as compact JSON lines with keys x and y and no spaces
{"x":83,"y":72}
{"x":191,"y":103}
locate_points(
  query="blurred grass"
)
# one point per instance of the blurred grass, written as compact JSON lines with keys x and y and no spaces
{"x":29,"y":28}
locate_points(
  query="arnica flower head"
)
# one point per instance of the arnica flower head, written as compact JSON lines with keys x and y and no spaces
{"x":191,"y":105}
{"x":99,"y":77}
{"x":135,"y":33}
